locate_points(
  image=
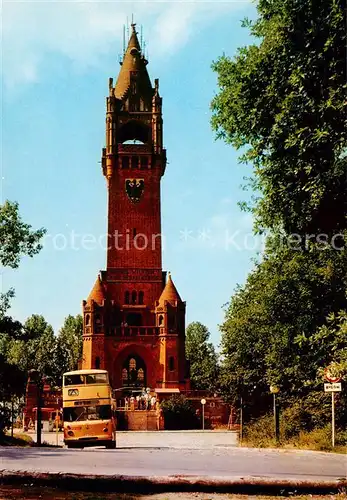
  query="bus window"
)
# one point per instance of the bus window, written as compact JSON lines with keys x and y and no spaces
{"x":102,"y":412}
{"x":73,"y":380}
{"x":97,"y":378}
{"x":90,"y":379}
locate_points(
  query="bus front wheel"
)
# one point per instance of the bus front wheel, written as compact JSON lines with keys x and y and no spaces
{"x":111,"y":445}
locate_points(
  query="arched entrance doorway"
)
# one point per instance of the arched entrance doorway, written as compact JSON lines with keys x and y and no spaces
{"x":134,"y":372}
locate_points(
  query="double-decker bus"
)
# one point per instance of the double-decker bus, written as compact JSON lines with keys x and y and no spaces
{"x":88,"y":409}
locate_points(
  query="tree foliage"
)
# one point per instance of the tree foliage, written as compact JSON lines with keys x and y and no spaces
{"x":179,"y":413}
{"x":202,"y":357}
{"x":68,"y":347}
{"x":16,"y":237}
{"x":283,"y":99}
{"x":16,"y":240}
{"x":269,"y":333}
{"x":35,"y":351}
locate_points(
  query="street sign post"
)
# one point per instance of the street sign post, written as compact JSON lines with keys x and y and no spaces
{"x":333,"y":386}
{"x":336,"y":387}
{"x":203,"y":402}
{"x":331,"y":375}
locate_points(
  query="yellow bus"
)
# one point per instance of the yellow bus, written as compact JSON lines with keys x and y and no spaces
{"x":88,"y":409}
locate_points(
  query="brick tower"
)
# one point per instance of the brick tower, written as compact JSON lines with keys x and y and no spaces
{"x":134,"y":318}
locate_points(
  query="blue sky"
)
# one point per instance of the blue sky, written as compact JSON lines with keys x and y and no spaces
{"x":57,"y":58}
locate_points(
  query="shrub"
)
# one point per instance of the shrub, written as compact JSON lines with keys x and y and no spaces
{"x":179,"y":414}
{"x":318,"y":439}
{"x":260,"y":432}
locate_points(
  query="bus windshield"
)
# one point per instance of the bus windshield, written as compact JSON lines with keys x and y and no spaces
{"x":90,"y":378}
{"x":102,"y":412}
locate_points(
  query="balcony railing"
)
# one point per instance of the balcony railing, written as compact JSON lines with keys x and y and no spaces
{"x":134,"y":148}
{"x":135,"y":331}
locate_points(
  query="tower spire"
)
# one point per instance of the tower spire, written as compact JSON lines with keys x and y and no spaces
{"x":133,"y":66}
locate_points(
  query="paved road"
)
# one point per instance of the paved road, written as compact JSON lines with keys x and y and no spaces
{"x":217,"y":462}
{"x":164,"y":439}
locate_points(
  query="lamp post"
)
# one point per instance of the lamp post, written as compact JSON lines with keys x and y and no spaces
{"x":203,"y":402}
{"x":275,"y":390}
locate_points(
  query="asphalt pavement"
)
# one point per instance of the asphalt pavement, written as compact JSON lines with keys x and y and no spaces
{"x":174,"y":461}
{"x":161,"y":462}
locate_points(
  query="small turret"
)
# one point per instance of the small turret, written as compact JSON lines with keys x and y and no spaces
{"x":170,"y":293}
{"x":98,"y":293}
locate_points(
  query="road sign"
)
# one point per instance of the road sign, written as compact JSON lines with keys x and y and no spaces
{"x":203,"y":401}
{"x":336,"y":387}
{"x":331,"y":376}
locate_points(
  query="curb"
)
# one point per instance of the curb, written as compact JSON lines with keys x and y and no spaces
{"x":165,"y":484}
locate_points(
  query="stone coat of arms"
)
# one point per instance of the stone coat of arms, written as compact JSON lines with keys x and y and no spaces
{"x":134,"y":189}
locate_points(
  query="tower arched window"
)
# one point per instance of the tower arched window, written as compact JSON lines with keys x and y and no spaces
{"x":141,"y":296}
{"x":161,"y":320}
{"x":125,"y":162}
{"x":134,"y":297}
{"x":98,"y":319}
{"x":87,"y":319}
{"x":97,"y":362}
{"x":134,"y":372}
{"x":127,"y":298}
{"x":171,"y":363}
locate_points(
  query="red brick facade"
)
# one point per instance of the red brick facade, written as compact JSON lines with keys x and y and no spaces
{"x":134,"y":318}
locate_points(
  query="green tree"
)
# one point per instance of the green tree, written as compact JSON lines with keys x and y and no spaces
{"x":16,"y":240}
{"x":269,"y":333}
{"x":202,"y":357}
{"x":16,"y":237}
{"x":282,"y":100}
{"x":35,"y":352}
{"x":68,"y":348}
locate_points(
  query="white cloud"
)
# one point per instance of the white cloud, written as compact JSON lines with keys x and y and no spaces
{"x":33,"y":31}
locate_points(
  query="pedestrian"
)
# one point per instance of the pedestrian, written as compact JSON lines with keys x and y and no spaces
{"x":153,"y":401}
{"x":138,"y":402}
{"x":132,"y":403}
{"x":126,"y":403}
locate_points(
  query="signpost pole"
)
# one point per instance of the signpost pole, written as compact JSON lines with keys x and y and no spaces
{"x":241,"y":419}
{"x":334,"y":385}
{"x":333,"y":419}
{"x":57,"y":423}
{"x":12,"y":413}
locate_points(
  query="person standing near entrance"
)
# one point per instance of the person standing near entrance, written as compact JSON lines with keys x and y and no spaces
{"x":126,"y":403}
{"x":132,"y":403}
{"x":138,"y":402}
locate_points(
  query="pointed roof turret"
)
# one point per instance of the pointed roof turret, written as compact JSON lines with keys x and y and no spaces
{"x":133,"y":64}
{"x":170,"y":293}
{"x":98,"y":292}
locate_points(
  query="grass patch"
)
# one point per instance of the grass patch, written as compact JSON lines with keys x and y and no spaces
{"x":17,"y":440}
{"x":260,"y":434}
